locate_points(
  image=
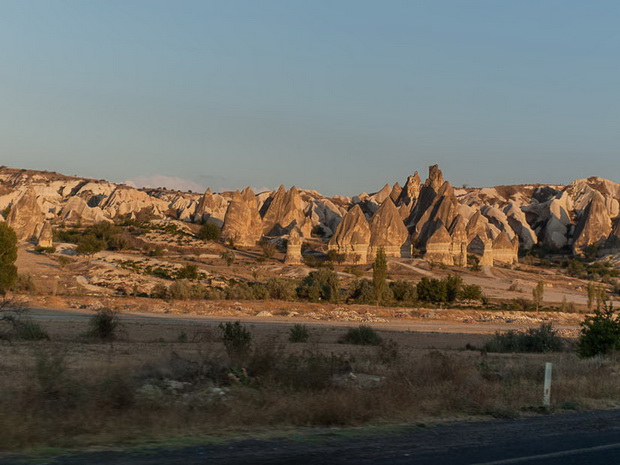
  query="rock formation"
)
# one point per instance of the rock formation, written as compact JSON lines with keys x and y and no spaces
{"x":293,"y":248}
{"x":387,"y":230}
{"x":594,"y":226}
{"x":352,"y":237}
{"x":439,"y":247}
{"x":46,"y":236}
{"x":242,"y":223}
{"x":211,"y":208}
{"x":283,"y":210}
{"x":76,"y":210}
{"x":504,"y":250}
{"x":26,"y":216}
{"x":458,"y":235}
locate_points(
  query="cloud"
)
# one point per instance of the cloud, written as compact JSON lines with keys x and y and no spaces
{"x":169,"y":182}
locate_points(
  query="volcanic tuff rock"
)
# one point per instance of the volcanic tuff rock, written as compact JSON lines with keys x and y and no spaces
{"x":293,"y":247}
{"x":442,"y":210}
{"x":26,"y":216}
{"x":387,"y":230}
{"x":550,"y":215}
{"x":242,"y":223}
{"x":439,"y":247}
{"x":46,"y":236}
{"x":352,"y":237}
{"x":284,"y":209}
{"x":594,"y":225}
{"x":211,"y":209}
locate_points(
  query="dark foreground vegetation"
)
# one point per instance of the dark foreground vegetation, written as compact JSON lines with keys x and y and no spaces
{"x":217,"y":379}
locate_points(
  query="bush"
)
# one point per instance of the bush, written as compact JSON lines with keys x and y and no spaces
{"x":319,"y":285}
{"x":432,"y":290}
{"x":453,"y":285}
{"x":237,"y":341}
{"x":14,"y":325}
{"x":404,"y":291}
{"x":28,"y":330}
{"x":8,"y":255}
{"x":209,"y":232}
{"x":362,"y":291}
{"x":532,"y":340}
{"x":188,"y":272}
{"x":24,"y":283}
{"x":104,"y":325}
{"x":600,"y":334}
{"x":182,"y":290}
{"x":362,"y":335}
{"x":299,"y":333}
{"x":268,"y":248}
{"x":471,"y":292}
{"x":280,"y":289}
{"x":89,"y":244}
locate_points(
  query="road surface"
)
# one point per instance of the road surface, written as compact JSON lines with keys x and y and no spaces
{"x":576,"y":438}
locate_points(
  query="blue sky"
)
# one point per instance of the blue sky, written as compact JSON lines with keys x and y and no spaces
{"x":338,"y":96}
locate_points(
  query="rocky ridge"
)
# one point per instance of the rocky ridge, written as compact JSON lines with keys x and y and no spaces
{"x":582,"y":217}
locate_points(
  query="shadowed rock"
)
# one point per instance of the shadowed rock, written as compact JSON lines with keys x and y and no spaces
{"x":26,"y":216}
{"x":352,"y":237}
{"x":387,"y":230}
{"x":242,"y":223}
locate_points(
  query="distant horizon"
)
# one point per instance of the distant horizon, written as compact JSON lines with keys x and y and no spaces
{"x":334,"y":95}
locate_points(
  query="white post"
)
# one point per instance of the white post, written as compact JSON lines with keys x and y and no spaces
{"x":547,"y":387}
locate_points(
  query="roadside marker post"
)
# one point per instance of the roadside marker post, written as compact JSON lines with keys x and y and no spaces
{"x":547,"y":386}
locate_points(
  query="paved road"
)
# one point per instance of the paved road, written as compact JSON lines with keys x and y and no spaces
{"x":435,"y":326}
{"x":578,"y":438}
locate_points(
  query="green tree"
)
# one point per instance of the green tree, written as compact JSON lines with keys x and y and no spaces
{"x":537,"y":293}
{"x":89,"y":244}
{"x":322,"y":284}
{"x":379,"y":276}
{"x":209,"y":232}
{"x":600,"y":334}
{"x":8,"y":255}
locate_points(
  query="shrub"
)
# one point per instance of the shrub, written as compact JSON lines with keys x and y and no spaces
{"x":28,"y":330}
{"x":362,"y":291}
{"x":104,"y":325}
{"x":600,"y":334}
{"x":362,"y":335}
{"x":188,"y":272}
{"x":268,"y":248}
{"x":453,"y":285}
{"x":533,"y":340}
{"x":432,"y":290}
{"x":280,"y":289}
{"x":470,"y":292}
{"x":24,"y":283}
{"x":209,"y":232}
{"x":8,"y":255}
{"x":14,"y":325}
{"x":182,"y":290}
{"x":237,"y":340}
{"x":322,"y":284}
{"x":404,"y":291}
{"x":379,"y":276}
{"x":299,"y":333}
{"x":46,"y":250}
{"x":89,"y":244}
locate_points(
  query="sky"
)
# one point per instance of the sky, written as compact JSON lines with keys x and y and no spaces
{"x":339,"y":96}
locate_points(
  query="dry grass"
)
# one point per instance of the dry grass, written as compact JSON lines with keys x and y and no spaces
{"x":74,"y":394}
